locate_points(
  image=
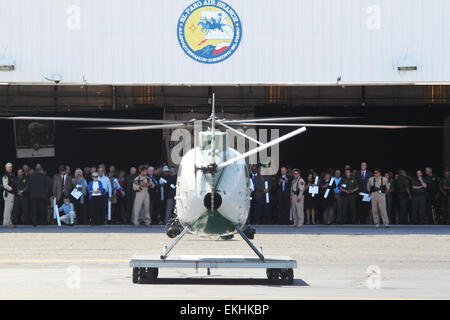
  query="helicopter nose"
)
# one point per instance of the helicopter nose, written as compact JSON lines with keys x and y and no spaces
{"x":207,"y":201}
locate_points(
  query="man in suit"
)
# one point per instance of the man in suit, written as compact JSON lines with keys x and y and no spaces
{"x":283,"y":194}
{"x":362,"y":177}
{"x":154,"y":196}
{"x":62,"y":185}
{"x":252,"y":213}
{"x":262,"y":208}
{"x":130,"y":194}
{"x":38,"y":185}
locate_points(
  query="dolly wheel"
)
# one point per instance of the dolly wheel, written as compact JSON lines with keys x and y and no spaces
{"x":135,"y":275}
{"x":271,"y":275}
{"x":152,"y":275}
{"x":290,"y":276}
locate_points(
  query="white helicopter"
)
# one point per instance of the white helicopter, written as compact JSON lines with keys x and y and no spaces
{"x":212,"y":189}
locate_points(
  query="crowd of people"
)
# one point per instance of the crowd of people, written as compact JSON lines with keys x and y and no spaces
{"x":349,"y":196}
{"x":146,"y":195}
{"x":92,"y":195}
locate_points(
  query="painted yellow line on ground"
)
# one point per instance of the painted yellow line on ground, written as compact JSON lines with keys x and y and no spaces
{"x":197,"y":298}
{"x":63,"y":261}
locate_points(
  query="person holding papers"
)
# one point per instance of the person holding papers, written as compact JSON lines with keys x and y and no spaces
{"x":326,"y":187}
{"x":69,"y":212}
{"x":96,"y":192}
{"x":311,"y":197}
{"x":377,"y":186}
{"x":80,"y":186}
{"x":362,"y":176}
{"x":349,"y":187}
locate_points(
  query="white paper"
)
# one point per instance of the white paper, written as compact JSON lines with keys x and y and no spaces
{"x":172,"y":186}
{"x":366,"y":197}
{"x":162,"y":181}
{"x":109,"y":210}
{"x":314,"y":190}
{"x":266,"y":184}
{"x":331,"y":182}
{"x":317,"y":180}
{"x":56,"y":212}
{"x":76,"y":194}
{"x":326,"y":193}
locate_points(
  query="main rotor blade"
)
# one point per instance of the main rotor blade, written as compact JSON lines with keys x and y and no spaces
{"x":82,"y":119}
{"x":135,"y":128}
{"x":239,"y":133}
{"x":263,"y":147}
{"x":333,"y":125}
{"x":309,"y":118}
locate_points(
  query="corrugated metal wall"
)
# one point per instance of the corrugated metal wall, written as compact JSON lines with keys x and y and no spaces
{"x":285,"y":41}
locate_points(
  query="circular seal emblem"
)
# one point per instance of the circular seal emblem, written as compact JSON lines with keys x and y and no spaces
{"x":209,"y":31}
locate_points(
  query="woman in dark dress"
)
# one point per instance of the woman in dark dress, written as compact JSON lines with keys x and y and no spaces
{"x":310,"y":201}
{"x":327,"y":197}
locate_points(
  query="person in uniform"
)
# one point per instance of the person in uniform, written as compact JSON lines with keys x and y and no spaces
{"x":432,"y":204}
{"x":21,"y":210}
{"x":141,"y":184}
{"x":297,"y":189}
{"x":402,"y":189}
{"x":389,"y":198}
{"x":446,"y":193}
{"x":349,"y":187}
{"x":8,"y":195}
{"x":154,"y":196}
{"x":377,"y":186}
{"x":419,"y":199}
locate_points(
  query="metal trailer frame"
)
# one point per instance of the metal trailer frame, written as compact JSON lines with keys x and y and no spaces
{"x":278,"y":268}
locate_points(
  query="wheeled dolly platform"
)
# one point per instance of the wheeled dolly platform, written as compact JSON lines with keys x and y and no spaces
{"x":279,"y":268}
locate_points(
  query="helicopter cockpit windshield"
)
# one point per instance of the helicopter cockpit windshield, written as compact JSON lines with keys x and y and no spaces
{"x":220,"y":141}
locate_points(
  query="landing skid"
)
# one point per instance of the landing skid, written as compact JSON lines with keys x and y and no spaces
{"x":278,"y":269}
{"x":186,"y":229}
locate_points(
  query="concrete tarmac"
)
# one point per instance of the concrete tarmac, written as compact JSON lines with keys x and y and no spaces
{"x":334,"y":262}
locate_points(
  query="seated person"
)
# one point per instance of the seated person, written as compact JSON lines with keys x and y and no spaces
{"x":69,"y":212}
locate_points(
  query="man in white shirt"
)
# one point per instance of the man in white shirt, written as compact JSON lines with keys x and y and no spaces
{"x":108,"y":189}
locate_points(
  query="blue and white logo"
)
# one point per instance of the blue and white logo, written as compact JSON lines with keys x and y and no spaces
{"x":209,"y":31}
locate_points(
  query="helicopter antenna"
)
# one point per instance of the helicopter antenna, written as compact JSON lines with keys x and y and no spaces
{"x":213,"y":148}
{"x":213,"y":128}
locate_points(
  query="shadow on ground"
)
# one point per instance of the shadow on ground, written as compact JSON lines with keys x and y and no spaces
{"x":264,"y":229}
{"x":228,"y":282}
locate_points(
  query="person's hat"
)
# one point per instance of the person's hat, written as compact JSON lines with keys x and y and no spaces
{"x":95,"y":174}
{"x":9,"y":164}
{"x":165,"y":168}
